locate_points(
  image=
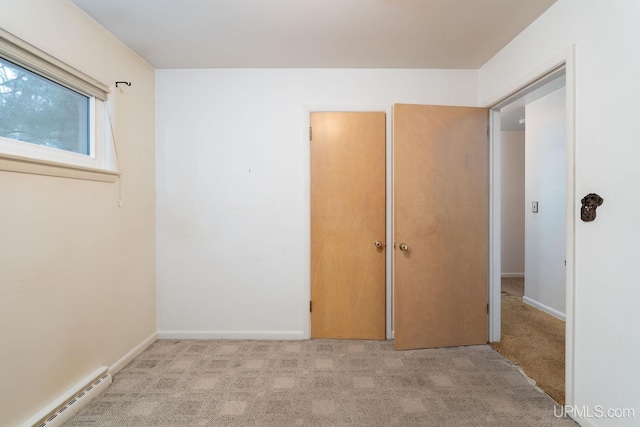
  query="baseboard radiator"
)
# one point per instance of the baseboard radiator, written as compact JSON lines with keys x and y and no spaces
{"x":78,"y":397}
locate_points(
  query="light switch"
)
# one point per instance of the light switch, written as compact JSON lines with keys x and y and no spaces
{"x":534,"y":207}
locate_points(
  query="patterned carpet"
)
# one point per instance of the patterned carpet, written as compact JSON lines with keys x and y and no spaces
{"x":532,"y":340}
{"x":317,"y":383}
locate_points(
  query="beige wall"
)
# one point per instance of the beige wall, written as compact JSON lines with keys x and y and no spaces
{"x":77,"y":272}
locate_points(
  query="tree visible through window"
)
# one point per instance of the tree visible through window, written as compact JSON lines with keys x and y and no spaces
{"x":36,"y":110}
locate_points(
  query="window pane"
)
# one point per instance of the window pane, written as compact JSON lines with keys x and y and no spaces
{"x":36,"y":110}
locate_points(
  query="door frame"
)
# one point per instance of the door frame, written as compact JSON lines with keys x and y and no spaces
{"x":536,"y":77}
{"x":306,"y":162}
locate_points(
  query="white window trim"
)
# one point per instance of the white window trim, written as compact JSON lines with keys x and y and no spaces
{"x":18,"y":156}
{"x":30,"y":57}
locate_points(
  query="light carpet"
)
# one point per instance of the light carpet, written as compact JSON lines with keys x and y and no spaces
{"x":318,"y":383}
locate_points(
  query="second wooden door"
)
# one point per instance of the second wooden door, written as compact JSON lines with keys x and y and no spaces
{"x":441,"y":200}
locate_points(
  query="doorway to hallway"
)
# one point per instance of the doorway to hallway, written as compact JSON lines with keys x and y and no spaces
{"x":535,"y":210}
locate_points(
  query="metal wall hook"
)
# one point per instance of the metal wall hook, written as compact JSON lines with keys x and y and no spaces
{"x":124,"y":83}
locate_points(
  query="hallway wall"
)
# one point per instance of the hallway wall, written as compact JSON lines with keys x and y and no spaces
{"x":545,"y":183}
{"x":513,"y":202}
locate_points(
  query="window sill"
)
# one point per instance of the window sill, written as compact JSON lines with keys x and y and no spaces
{"x":11,"y":163}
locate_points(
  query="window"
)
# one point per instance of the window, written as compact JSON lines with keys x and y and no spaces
{"x":36,"y":110}
{"x":53,"y":118}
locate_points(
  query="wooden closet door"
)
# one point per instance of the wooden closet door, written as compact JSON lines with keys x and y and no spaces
{"x":348,"y":152}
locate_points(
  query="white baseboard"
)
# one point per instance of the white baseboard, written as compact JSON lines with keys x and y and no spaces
{"x":64,"y":407}
{"x":512,"y":275}
{"x":124,"y":361}
{"x":584,"y":422}
{"x":545,"y":308}
{"x":60,"y":418}
{"x":232,"y":335}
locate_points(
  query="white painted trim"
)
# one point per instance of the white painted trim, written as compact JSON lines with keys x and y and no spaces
{"x":127,"y":358}
{"x":505,"y":275}
{"x":233,"y":335}
{"x":65,"y":397}
{"x":570,"y":77}
{"x":584,"y":422}
{"x":495,"y":196}
{"x":22,"y":164}
{"x":567,"y":58}
{"x":505,"y":95}
{"x":37,"y":61}
{"x":552,"y":311}
{"x":306,"y":210}
{"x":101,"y":165}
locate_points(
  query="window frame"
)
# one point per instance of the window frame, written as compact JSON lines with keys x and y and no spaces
{"x":18,"y":156}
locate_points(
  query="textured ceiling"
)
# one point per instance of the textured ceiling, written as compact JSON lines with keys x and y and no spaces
{"x":460,"y":34}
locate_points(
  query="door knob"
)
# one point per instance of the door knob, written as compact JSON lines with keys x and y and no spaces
{"x":378,"y":244}
{"x":404,"y":247}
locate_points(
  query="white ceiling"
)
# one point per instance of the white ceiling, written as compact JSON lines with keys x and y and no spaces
{"x":460,"y":34}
